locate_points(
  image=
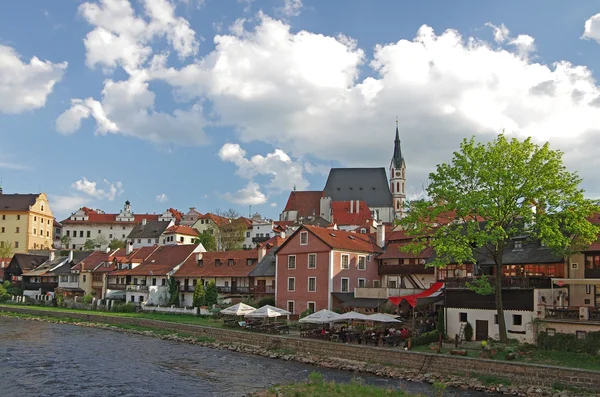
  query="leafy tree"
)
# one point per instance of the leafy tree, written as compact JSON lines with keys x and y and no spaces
{"x":468,"y":332}
{"x":6,"y":249}
{"x":199,"y":298}
{"x":65,"y":241}
{"x":89,"y":245}
{"x":4,"y":291}
{"x":493,"y":192}
{"x":231,"y":232}
{"x":116,"y":244}
{"x":211,"y":295}
{"x":173,"y":292}
{"x":100,"y":241}
{"x":208,"y":241}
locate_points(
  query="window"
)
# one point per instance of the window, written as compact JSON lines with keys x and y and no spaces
{"x":41,"y":232}
{"x":64,"y":279}
{"x":311,"y":306}
{"x":345,"y":261}
{"x":517,"y":319}
{"x":18,"y":217}
{"x":68,"y":233}
{"x":303,"y":238}
{"x":100,"y":231}
{"x":110,"y":236}
{"x":376,"y":283}
{"x":462,"y":317}
{"x":586,"y":301}
{"x":574,"y":265}
{"x":132,"y":298}
{"x":181,"y":239}
{"x":345,"y":285}
{"x":3,"y":229}
{"x":496,"y":319}
{"x":580,"y":334}
{"x":88,"y":234}
{"x":201,"y":262}
{"x":47,"y":234}
{"x":291,"y":261}
{"x":518,"y":245}
{"x":362,"y":263}
{"x":153,"y":281}
{"x":290,"y":306}
{"x":249,"y":262}
{"x":139,"y":240}
{"x":1,"y":244}
{"x":362,"y":282}
{"x":73,"y":247}
{"x":163,"y":282}
{"x":291,"y":284}
{"x":247,"y":234}
{"x":155,"y":241}
{"x":312,"y":261}
{"x":17,"y":230}
{"x":3,"y":217}
{"x":230,"y":262}
{"x":81,"y":233}
{"x":217,"y":262}
{"x":551,"y":331}
{"x":84,"y":278}
{"x":35,"y":218}
{"x":34,"y":231}
{"x":140,"y":298}
{"x":149,"y":241}
{"x":392,"y":284}
{"x":312,"y":284}
{"x":16,"y":244}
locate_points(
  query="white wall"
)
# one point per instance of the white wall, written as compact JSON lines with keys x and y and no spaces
{"x":117,"y":231}
{"x":165,"y":309}
{"x":453,"y":323}
{"x":386,"y":214}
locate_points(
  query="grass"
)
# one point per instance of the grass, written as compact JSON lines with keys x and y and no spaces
{"x":317,"y":387}
{"x":489,"y":380}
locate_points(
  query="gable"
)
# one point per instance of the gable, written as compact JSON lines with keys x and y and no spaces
{"x":292,"y":244}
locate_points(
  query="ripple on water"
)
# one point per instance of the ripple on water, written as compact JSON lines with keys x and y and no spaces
{"x":45,"y":359}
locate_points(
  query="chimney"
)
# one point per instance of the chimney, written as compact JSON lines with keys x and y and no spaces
{"x":51,"y":256}
{"x":129,"y":248}
{"x":198,"y":256}
{"x":262,"y":252}
{"x":71,"y":256}
{"x":381,"y":235}
{"x":351,"y":206}
{"x":282,"y":234}
{"x":107,"y":250}
{"x":144,"y":221}
{"x":357,"y":206}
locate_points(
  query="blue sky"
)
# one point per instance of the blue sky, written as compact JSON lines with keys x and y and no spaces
{"x":231,"y":103}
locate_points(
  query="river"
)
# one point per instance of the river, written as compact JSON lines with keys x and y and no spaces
{"x":46,"y":359}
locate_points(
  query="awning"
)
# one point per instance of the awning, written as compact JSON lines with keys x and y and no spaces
{"x":576,"y":281}
{"x":432,"y":292}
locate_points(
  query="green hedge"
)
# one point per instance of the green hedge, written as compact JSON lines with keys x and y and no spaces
{"x":426,"y":338}
{"x":570,"y":343}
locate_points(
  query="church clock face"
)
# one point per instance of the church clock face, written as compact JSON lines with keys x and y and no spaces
{"x":397,"y":174}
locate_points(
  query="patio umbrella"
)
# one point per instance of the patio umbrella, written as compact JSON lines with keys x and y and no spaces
{"x":268,"y":311}
{"x":240,"y":309}
{"x":383,"y":318}
{"x":353,"y":316}
{"x":320,"y":317}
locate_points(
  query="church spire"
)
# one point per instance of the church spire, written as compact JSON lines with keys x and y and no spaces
{"x":397,"y":159}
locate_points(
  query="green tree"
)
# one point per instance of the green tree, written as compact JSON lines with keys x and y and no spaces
{"x":100,"y":241}
{"x":89,"y":245}
{"x":4,"y":291}
{"x":231,"y":232}
{"x":65,"y":242}
{"x":173,"y":292}
{"x":116,"y":244}
{"x":207,"y":239}
{"x":6,"y":249}
{"x":493,"y":192}
{"x":211,"y":295}
{"x":468,"y":332}
{"x":199,"y":298}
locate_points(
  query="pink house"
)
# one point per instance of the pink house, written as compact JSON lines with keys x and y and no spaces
{"x":315,"y":262}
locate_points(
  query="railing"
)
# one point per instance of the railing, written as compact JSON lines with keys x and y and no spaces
{"x":247,"y":290}
{"x":573,"y":313}
{"x":406,"y":269}
{"x":116,"y":286}
{"x":137,"y":288}
{"x":189,"y":288}
{"x":507,"y":282}
{"x":44,"y":286}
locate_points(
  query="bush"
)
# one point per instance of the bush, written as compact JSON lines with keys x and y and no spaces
{"x":124,"y":308}
{"x":87,"y":299}
{"x":266,"y":301}
{"x":569,"y":342}
{"x":426,"y":338}
{"x":468,"y":332}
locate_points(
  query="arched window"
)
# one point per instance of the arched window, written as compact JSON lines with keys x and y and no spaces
{"x":403,"y":177}
{"x":402,"y":191}
{"x":392,"y":187}
{"x":397,"y":186}
{"x":398,"y":204}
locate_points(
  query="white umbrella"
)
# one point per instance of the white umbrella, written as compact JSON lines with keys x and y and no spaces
{"x":383,"y":318}
{"x":320,"y":317}
{"x":353,"y":316}
{"x":268,"y":311}
{"x":240,"y":309}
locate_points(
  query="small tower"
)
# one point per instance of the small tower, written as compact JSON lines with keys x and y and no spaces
{"x":398,"y":177}
{"x":127,"y":207}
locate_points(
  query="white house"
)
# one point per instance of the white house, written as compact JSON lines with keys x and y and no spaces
{"x":179,"y":235}
{"x":148,"y":233}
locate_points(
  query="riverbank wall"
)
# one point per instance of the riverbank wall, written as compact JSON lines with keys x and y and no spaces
{"x":414,"y":362}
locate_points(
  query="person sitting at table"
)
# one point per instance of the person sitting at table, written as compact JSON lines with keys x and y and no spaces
{"x":323,"y":332}
{"x":404,"y":333}
{"x":343,"y":335}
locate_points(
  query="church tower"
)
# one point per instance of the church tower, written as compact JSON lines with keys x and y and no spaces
{"x":398,"y":177}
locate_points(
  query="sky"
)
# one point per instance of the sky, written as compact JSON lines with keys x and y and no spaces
{"x":218,"y":104}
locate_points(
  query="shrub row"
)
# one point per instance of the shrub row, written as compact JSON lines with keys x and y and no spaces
{"x":570,"y":343}
{"x":426,"y":338}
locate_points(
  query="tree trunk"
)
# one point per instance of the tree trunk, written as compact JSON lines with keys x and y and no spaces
{"x":499,"y":304}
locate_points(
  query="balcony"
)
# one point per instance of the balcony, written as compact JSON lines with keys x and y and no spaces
{"x":46,"y":287}
{"x":507,"y":282}
{"x":262,"y":239}
{"x":189,"y":288}
{"x":592,"y":273}
{"x":406,"y":269}
{"x":584,"y":313}
{"x":117,"y":286}
{"x":246,"y":290}
{"x":137,"y":288}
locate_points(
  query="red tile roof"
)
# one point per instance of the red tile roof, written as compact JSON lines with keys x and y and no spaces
{"x":239,"y":268}
{"x":397,"y":236}
{"x":343,"y":217}
{"x":92,"y":261}
{"x":4,"y":262}
{"x":218,"y":220}
{"x":307,"y":203}
{"x":185,"y":230}
{"x":94,"y":217}
{"x":339,"y":239}
{"x":164,"y":259}
{"x":177,"y":214}
{"x":274,"y":241}
{"x":393,"y":251}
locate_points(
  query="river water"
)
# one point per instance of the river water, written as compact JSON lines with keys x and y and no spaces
{"x":46,"y":359}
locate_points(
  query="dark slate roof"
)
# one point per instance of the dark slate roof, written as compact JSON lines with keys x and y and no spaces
{"x":152,"y":229}
{"x":397,"y":158}
{"x":27,"y":262}
{"x":531,"y":252}
{"x":266,"y":267}
{"x":364,"y":184}
{"x":17,"y":202}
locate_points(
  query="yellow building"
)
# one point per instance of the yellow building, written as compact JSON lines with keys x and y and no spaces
{"x":26,"y":222}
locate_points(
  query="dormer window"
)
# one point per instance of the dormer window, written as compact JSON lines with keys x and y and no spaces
{"x":230,"y":262}
{"x":217,"y":262}
{"x":249,"y":262}
{"x":201,"y":262}
{"x":518,"y":245}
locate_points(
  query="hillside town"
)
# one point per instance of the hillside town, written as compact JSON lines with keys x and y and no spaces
{"x":338,"y":249}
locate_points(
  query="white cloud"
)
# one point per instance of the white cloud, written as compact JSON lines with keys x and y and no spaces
{"x":283,"y":171}
{"x":291,"y":8}
{"x":316,"y":168}
{"x":26,"y":86}
{"x":90,"y":188}
{"x":162,"y":198}
{"x":66,"y":204}
{"x":273,"y":205}
{"x":592,"y":28}
{"x":501,"y":33}
{"x":249,"y":195}
{"x":525,"y":45}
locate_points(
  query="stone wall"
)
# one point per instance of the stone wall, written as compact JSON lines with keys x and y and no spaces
{"x":420,"y":362}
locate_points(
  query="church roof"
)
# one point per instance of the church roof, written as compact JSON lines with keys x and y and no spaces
{"x":397,"y":158}
{"x":307,"y":203}
{"x":17,"y":202}
{"x":365,"y":184}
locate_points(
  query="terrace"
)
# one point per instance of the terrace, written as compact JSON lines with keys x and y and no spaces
{"x":526,"y":282}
